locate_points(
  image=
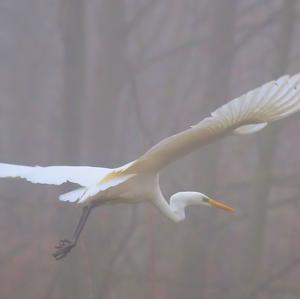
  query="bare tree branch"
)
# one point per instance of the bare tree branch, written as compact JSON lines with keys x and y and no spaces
{"x":293,"y":200}
{"x":263,"y":286}
{"x":286,"y":180}
{"x":104,"y":285}
{"x":194,"y":43}
{"x":142,"y":13}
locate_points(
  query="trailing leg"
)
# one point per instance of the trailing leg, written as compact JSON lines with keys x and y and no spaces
{"x":65,"y":246}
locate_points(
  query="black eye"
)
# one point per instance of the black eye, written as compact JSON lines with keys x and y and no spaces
{"x":205,"y":199}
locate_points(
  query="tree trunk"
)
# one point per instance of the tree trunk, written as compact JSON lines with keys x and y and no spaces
{"x":73,"y":37}
{"x":267,"y":150}
{"x":218,"y":74}
{"x":111,"y":73}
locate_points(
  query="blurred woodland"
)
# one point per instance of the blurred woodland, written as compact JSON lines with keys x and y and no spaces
{"x":97,"y":82}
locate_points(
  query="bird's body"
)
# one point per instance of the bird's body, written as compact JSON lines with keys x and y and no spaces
{"x":135,"y":189}
{"x":138,"y":181}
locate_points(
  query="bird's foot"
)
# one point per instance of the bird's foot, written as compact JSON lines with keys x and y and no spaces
{"x":63,"y":248}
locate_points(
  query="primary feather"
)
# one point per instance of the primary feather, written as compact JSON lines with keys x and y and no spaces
{"x":55,"y":175}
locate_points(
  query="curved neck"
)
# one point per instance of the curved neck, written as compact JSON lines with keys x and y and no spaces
{"x":178,"y":202}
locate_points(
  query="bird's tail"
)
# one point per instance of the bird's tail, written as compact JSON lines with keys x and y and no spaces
{"x":81,"y":195}
{"x":73,"y":196}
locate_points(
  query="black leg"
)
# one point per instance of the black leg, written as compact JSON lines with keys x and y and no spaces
{"x":65,"y":246}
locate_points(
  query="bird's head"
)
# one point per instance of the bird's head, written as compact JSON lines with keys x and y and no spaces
{"x":181,"y":200}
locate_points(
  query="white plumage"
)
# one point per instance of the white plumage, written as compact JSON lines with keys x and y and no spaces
{"x":55,"y":175}
{"x":138,"y":181}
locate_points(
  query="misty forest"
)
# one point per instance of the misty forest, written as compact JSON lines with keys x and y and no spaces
{"x":98,"y":82}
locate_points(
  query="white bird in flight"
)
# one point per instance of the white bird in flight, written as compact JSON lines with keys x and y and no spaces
{"x":138,"y":181}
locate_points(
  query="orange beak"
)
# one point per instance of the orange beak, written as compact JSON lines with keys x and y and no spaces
{"x":220,"y":205}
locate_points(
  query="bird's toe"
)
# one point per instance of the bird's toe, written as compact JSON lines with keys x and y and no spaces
{"x":63,"y":248}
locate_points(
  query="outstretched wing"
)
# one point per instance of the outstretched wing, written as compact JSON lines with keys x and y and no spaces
{"x":81,"y":195}
{"x":244,"y":115}
{"x":55,"y":175}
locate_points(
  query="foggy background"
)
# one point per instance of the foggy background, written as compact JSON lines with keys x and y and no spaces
{"x":97,"y":82}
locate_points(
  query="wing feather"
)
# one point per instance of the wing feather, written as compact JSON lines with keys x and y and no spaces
{"x":246,"y":114}
{"x":55,"y":175}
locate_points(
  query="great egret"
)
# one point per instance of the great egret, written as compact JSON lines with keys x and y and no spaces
{"x":139,"y":180}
